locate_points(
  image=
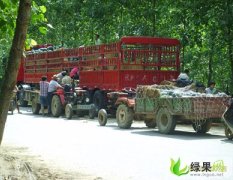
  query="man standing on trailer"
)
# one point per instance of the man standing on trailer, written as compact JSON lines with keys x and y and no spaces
{"x":53,"y":86}
{"x":183,"y":79}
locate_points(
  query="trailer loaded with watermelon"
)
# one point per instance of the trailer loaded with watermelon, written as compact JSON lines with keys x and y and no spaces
{"x":165,"y":105}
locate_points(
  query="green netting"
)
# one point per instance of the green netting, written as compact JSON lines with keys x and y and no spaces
{"x":149,"y":104}
{"x":187,"y":105}
{"x":177,"y":105}
{"x":139,"y":105}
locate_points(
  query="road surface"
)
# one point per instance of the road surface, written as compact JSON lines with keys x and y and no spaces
{"x":114,"y":154}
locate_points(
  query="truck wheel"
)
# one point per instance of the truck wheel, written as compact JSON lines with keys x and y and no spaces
{"x":166,"y":122}
{"x":150,"y":123}
{"x":98,"y":100}
{"x":228,"y":133}
{"x":124,"y":116}
{"x":56,"y":106}
{"x":102,"y":117}
{"x":68,"y":111}
{"x":35,"y":106}
{"x":202,"y":128}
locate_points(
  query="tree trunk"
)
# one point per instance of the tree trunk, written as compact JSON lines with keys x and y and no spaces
{"x":15,"y":55}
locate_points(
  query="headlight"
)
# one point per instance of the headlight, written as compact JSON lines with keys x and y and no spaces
{"x":87,"y":100}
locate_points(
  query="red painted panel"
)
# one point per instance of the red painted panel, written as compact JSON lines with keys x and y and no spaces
{"x":20,"y":77}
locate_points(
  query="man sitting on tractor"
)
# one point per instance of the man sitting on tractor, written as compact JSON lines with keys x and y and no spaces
{"x":66,"y":82}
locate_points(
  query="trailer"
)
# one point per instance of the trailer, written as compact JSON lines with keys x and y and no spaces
{"x":105,"y":68}
{"x":166,"y":111}
{"x":228,"y":122}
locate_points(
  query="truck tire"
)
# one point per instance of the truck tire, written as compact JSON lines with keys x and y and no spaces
{"x":228,"y":133}
{"x":124,"y":116}
{"x":165,"y":121}
{"x":98,"y":100}
{"x":150,"y":123}
{"x":204,"y":128}
{"x":35,"y":106}
{"x":68,"y":111}
{"x":102,"y":117}
{"x":56,"y":106}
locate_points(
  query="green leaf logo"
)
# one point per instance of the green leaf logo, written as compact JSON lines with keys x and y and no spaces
{"x":175,"y":168}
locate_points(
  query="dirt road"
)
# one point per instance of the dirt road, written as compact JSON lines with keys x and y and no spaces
{"x":81,"y":149}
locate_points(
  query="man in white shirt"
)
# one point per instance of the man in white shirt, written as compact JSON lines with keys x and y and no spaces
{"x":66,"y":80}
{"x":211,"y":89}
{"x":60,"y":76}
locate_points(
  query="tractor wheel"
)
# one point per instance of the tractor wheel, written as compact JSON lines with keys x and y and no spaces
{"x":56,"y":106}
{"x":22,"y":102}
{"x":124,"y":116}
{"x":35,"y":106}
{"x":12,"y":106}
{"x":102,"y":117}
{"x":92,"y":112}
{"x":228,"y":133}
{"x":202,"y":128}
{"x":165,"y":121}
{"x":150,"y":123}
{"x":68,"y":111}
{"x":98,"y":100}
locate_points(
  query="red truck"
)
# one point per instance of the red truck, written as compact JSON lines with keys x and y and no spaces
{"x":116,"y":67}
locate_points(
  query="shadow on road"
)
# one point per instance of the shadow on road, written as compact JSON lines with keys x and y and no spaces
{"x":183,"y":135}
{"x":227,"y":141}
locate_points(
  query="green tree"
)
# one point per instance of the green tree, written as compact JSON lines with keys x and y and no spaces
{"x":15,"y":55}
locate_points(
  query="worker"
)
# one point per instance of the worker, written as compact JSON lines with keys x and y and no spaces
{"x":53,"y":86}
{"x":97,"y":39}
{"x":66,"y":82}
{"x":183,"y":79}
{"x":16,"y":98}
{"x":60,"y":76}
{"x":66,"y":79}
{"x":211,"y":89}
{"x":44,"y":85}
{"x":74,"y":73}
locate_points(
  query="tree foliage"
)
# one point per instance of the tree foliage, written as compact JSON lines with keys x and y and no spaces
{"x":204,"y":29}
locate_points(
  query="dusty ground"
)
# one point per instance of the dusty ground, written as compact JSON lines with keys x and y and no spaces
{"x":18,"y":164}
